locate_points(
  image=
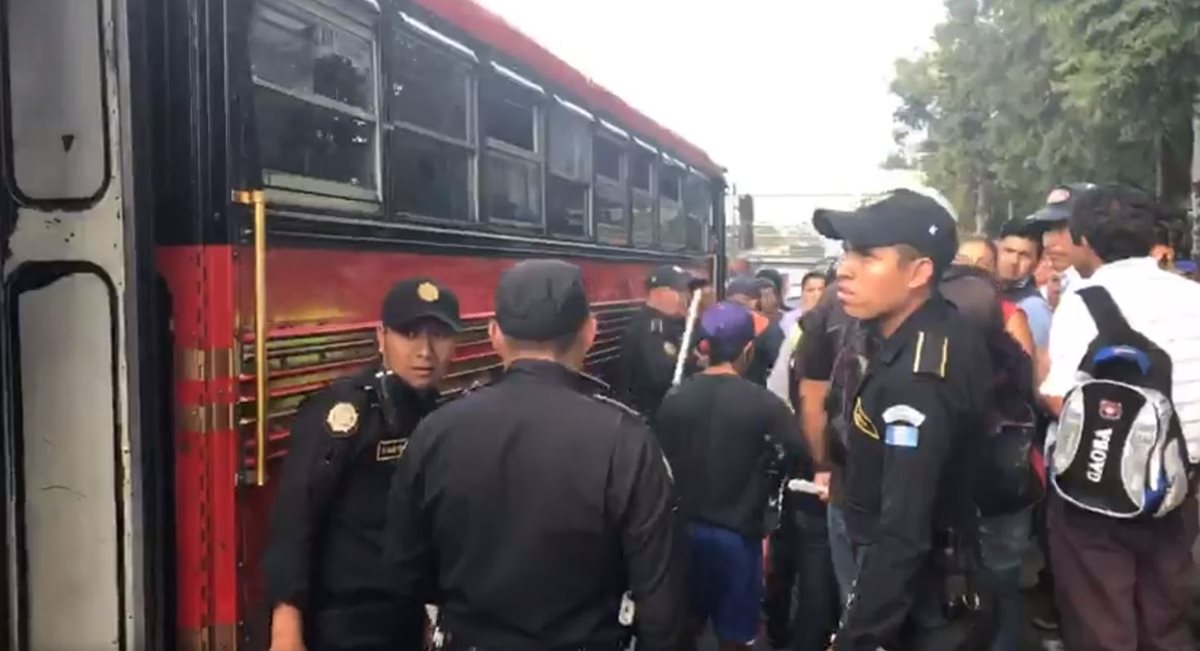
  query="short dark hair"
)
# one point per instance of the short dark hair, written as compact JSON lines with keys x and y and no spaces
{"x":558,"y":345}
{"x":813,"y":275}
{"x":1117,"y":220}
{"x":772,"y":276}
{"x":980,"y":239}
{"x":724,"y":354}
{"x":1024,"y":230}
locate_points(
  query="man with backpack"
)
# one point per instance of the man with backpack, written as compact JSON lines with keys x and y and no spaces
{"x":1124,"y":379}
{"x":1008,"y":478}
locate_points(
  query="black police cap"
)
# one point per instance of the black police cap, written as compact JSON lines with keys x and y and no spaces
{"x":413,"y":299}
{"x":903,"y":217}
{"x":541,"y":300}
{"x":1060,"y":202}
{"x":674,"y":277}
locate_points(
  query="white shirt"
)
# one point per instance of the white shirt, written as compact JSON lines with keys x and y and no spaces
{"x":777,"y":381}
{"x":1068,"y":281}
{"x":1162,"y":306}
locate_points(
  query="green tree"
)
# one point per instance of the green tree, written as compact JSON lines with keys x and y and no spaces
{"x":1019,"y":95}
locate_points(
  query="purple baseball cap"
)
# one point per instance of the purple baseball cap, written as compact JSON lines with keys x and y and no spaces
{"x":728,"y":328}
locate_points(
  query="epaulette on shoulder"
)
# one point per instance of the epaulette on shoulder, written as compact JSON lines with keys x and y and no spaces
{"x":931,"y":354}
{"x":600,"y":397}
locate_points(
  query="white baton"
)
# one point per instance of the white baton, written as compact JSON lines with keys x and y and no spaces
{"x":686,"y":344}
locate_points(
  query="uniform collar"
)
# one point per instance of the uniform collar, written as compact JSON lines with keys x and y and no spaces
{"x":655,"y":313}
{"x":401,"y":393}
{"x":544,"y":370}
{"x":922,"y":318}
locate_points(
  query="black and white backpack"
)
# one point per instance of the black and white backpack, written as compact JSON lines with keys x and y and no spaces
{"x":1120,"y":450}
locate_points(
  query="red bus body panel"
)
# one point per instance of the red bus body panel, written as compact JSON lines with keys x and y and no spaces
{"x":323,"y":304}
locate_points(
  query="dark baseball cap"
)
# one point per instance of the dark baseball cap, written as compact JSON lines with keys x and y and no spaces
{"x":674,"y":277}
{"x":728,"y":328}
{"x":744,"y":286}
{"x":413,"y":299}
{"x":1060,"y":202}
{"x":903,"y":217}
{"x":541,"y":300}
{"x":772,"y":276}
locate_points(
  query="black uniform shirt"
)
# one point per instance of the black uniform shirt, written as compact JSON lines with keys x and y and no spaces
{"x":919,"y":407}
{"x":534,"y":504}
{"x":649,"y":349}
{"x":326,"y":533}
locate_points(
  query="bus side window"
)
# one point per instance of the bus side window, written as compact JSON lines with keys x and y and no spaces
{"x":611,"y":202}
{"x":670,"y":205}
{"x":645,"y":217}
{"x":510,"y":108}
{"x":56,"y":100}
{"x":568,"y":170}
{"x":432,"y":145}
{"x":697,"y":204}
{"x":315,"y":99}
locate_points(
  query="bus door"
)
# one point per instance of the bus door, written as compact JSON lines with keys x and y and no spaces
{"x":71,"y":562}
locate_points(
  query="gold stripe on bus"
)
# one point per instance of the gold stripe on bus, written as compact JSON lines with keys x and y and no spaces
{"x":205,"y":419}
{"x":196,"y":364}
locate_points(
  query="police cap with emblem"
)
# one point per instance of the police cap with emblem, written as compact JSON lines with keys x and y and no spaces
{"x":673,"y":277}
{"x":903,"y":217}
{"x":1060,"y":203}
{"x":414,"y":299}
{"x":541,"y":300}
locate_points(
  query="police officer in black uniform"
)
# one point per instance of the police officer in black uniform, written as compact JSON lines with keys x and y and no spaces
{"x":536,"y":503}
{"x":651,"y":341}
{"x":323,"y":564}
{"x":918,"y":408}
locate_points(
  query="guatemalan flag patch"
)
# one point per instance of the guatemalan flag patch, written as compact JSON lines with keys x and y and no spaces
{"x":901,"y":436}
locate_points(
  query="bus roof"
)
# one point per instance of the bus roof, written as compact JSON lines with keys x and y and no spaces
{"x":489,"y":28}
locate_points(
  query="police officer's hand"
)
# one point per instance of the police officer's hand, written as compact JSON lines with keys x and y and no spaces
{"x":822,"y":480}
{"x":287,"y":644}
{"x":287,"y":631}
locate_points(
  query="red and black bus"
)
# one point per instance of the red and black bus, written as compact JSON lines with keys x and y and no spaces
{"x":204,"y":204}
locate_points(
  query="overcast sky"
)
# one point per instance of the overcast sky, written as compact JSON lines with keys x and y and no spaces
{"x":789,"y":95}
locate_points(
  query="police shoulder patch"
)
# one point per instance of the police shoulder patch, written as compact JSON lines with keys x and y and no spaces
{"x":903,"y":414}
{"x":342,"y":419}
{"x":931,"y":354}
{"x":902,"y":426}
{"x":618,"y":404}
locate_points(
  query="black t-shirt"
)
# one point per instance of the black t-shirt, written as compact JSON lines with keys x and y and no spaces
{"x":728,"y":441}
{"x":817,"y":352}
{"x":766,"y":350}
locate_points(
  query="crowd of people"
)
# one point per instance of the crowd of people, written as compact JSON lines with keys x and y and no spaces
{"x":869,"y":468}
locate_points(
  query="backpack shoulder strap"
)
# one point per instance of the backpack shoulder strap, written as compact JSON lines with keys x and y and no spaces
{"x":1110,"y":323}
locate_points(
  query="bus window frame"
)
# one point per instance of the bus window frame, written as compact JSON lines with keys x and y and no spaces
{"x":538,"y":99}
{"x":10,"y":161}
{"x":639,"y":147}
{"x":361,"y":19}
{"x":587,"y":121}
{"x":411,"y":27}
{"x":706,"y":223}
{"x":605,"y":131}
{"x":680,"y":169}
